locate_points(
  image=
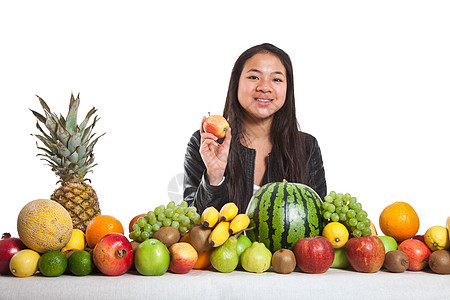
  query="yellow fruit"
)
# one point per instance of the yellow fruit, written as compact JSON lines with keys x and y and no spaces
{"x":77,"y":241}
{"x":228,"y":212}
{"x":220,"y":234}
{"x":24,"y":263}
{"x":448,"y":226}
{"x":44,"y":225}
{"x":210,"y":216}
{"x":373,"y":229}
{"x":336,"y":233}
{"x":240,"y":222}
{"x":436,"y":238}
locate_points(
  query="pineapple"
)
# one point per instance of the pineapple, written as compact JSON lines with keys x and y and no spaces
{"x":69,"y":153}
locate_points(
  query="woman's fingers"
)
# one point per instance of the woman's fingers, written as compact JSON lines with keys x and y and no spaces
{"x":201,"y":125}
{"x":208,"y":136}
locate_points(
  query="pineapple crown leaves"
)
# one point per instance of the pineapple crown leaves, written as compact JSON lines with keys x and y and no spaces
{"x":69,"y":146}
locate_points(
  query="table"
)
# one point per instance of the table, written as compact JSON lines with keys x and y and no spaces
{"x":209,"y":284}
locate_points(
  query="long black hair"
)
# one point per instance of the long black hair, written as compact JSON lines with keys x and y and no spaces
{"x":288,"y":147}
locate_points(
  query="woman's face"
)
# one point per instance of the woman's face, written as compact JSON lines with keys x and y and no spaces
{"x":262,"y":86}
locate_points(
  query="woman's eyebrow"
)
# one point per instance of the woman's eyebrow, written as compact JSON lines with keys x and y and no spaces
{"x":258,"y":71}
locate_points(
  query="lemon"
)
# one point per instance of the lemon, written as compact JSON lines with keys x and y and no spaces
{"x":436,"y":238}
{"x":80,"y":263}
{"x":24,"y":263}
{"x":77,"y":241}
{"x":336,"y":233}
{"x":53,"y":263}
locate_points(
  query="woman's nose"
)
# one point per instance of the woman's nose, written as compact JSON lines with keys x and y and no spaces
{"x":264,"y":86}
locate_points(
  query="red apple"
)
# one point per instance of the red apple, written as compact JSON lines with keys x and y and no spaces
{"x":182,"y":257}
{"x":216,"y":125}
{"x":417,"y":252}
{"x":113,"y":254}
{"x":314,"y":254}
{"x":365,"y":254}
{"x":134,"y":220}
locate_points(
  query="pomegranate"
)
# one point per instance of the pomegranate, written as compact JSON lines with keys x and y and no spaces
{"x":8,"y":247}
{"x":113,"y":254}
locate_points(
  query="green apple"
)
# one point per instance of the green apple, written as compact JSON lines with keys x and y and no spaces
{"x":152,"y":258}
{"x":340,"y":259}
{"x":243,"y":242}
{"x":389,"y":243}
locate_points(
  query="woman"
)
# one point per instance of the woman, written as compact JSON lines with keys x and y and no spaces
{"x":265,"y":143}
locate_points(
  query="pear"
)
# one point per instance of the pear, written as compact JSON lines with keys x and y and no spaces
{"x":225,"y":258}
{"x":257,"y":258}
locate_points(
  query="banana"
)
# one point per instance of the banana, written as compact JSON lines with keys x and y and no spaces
{"x":240,"y":222}
{"x":448,"y":226}
{"x":219,"y":234}
{"x":210,"y":216}
{"x":228,"y":212}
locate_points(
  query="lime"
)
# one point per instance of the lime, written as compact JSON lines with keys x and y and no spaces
{"x":80,"y":263}
{"x":24,"y":263}
{"x":53,"y":263}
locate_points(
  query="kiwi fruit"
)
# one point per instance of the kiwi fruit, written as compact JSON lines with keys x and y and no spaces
{"x":283,"y":261}
{"x":69,"y":252}
{"x":439,"y":262}
{"x":135,"y":245}
{"x":396,"y":261}
{"x":167,"y":235}
{"x":199,"y":238}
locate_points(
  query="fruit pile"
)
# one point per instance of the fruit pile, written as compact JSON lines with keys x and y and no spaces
{"x":286,"y":225}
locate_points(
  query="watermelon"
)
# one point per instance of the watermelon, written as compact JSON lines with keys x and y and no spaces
{"x":283,"y":212}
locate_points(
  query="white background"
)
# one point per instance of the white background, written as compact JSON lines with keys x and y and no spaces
{"x":372,"y":80}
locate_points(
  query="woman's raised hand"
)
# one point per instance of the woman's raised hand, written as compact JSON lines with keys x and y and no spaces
{"x":214,"y":155}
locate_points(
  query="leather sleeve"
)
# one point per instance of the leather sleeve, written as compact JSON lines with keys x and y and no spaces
{"x":198,"y":191}
{"x":316,"y":169}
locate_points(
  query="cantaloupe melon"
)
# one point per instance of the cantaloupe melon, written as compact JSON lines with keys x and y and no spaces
{"x":44,"y":225}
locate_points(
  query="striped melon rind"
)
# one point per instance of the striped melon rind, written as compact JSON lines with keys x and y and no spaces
{"x":282,"y":213}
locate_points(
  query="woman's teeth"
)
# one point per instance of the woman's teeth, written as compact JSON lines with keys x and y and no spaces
{"x":263,"y":100}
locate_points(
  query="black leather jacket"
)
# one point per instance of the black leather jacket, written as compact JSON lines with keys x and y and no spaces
{"x":200,"y":193}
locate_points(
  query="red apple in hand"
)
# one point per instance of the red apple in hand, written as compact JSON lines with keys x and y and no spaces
{"x":182,"y":257}
{"x":113,"y":254}
{"x":365,"y":254}
{"x":216,"y":125}
{"x":314,"y":254}
{"x":417,"y":252}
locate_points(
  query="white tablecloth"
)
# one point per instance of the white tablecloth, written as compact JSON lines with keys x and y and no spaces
{"x":208,"y":284}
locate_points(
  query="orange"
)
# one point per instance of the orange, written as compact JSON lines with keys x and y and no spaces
{"x":186,"y":238}
{"x":400,"y":221}
{"x":100,"y":226}
{"x":203,"y":260}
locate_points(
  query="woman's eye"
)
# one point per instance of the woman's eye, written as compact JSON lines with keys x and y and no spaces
{"x":253,"y":77}
{"x":278,"y":80}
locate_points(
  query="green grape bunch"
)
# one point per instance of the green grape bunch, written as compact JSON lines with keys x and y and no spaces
{"x":348,"y":211}
{"x":179,"y":216}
